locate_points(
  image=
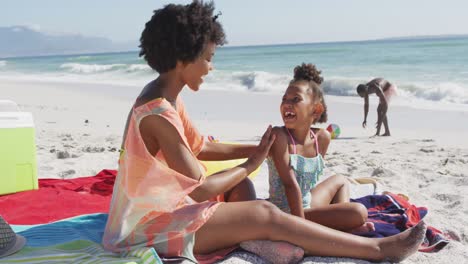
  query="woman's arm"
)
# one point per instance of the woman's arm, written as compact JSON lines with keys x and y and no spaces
{"x":159,"y":134}
{"x":280,"y":155}
{"x":221,"y":151}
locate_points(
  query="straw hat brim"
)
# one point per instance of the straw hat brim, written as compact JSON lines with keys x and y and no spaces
{"x":19,"y":244}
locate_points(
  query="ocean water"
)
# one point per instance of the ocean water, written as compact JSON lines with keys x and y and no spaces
{"x":425,"y":70}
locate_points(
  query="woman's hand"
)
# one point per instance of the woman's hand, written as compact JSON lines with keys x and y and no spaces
{"x":263,"y":148}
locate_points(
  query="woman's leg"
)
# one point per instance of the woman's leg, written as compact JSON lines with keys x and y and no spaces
{"x":244,"y":191}
{"x":330,"y":205}
{"x":232,"y":223}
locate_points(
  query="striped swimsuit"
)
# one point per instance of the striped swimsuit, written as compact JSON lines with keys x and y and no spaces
{"x":307,"y":170}
{"x":150,"y":205}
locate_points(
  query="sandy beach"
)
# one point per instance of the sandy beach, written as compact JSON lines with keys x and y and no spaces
{"x":79,"y":131}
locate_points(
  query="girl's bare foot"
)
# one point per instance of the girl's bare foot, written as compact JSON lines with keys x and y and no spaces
{"x":398,"y":247}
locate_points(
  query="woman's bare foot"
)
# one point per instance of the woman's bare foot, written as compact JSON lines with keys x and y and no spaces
{"x":398,"y":247}
{"x":366,"y":227}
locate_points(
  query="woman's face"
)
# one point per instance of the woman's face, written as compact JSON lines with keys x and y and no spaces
{"x":297,"y":106}
{"x":194,"y":72}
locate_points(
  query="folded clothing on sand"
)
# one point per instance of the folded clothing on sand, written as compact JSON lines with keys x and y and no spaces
{"x":392,"y":214}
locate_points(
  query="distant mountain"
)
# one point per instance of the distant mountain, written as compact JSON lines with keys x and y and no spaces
{"x":18,"y":41}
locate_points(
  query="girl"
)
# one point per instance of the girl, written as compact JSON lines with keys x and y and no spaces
{"x":296,"y":160}
{"x":161,"y":196}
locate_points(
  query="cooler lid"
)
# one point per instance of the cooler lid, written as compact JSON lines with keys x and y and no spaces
{"x":16,"y":119}
{"x":8,"y":106}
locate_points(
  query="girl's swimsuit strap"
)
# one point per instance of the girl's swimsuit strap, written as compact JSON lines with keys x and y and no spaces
{"x":316,"y":140}
{"x":294,"y":142}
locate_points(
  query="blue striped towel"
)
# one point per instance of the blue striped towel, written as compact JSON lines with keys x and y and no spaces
{"x":73,"y":240}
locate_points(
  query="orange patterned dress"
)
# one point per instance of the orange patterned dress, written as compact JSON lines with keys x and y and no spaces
{"x":150,"y":205}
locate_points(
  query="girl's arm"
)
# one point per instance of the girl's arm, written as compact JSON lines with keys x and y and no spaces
{"x":324,"y":138}
{"x":221,"y":151}
{"x":159,"y":134}
{"x":280,"y":155}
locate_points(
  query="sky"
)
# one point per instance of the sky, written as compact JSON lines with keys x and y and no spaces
{"x":250,"y":22}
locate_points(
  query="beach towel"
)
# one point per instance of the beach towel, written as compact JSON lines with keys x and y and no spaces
{"x":73,"y":240}
{"x":58,"y":199}
{"x":392,"y":214}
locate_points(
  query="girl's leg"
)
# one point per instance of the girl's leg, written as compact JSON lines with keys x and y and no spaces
{"x":232,"y":223}
{"x":335,"y":189}
{"x":244,"y":191}
{"x":342,"y":216}
{"x":330,"y":205}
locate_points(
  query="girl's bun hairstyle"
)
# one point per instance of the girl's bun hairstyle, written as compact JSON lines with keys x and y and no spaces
{"x":307,"y":72}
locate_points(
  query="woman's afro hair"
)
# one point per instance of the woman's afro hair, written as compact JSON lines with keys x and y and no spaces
{"x":179,"y":33}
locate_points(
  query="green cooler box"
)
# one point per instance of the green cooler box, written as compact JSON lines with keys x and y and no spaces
{"x":18,"y":165}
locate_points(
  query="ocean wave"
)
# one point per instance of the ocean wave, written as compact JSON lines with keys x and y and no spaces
{"x":254,"y":81}
{"x":89,"y":68}
{"x":81,"y":58}
{"x":3,"y":63}
{"x":80,"y":68}
{"x":445,"y":92}
{"x":258,"y":81}
{"x":138,"y":67}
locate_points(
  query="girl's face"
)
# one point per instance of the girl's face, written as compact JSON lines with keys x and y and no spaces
{"x":297,"y":106}
{"x":194,"y":72}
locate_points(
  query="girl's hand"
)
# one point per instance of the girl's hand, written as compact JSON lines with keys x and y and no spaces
{"x":262,"y":150}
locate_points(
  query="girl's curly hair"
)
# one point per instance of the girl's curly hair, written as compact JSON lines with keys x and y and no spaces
{"x":310,"y":74}
{"x":179,"y":33}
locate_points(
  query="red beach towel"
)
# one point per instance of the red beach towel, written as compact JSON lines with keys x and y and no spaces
{"x":59,"y":199}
